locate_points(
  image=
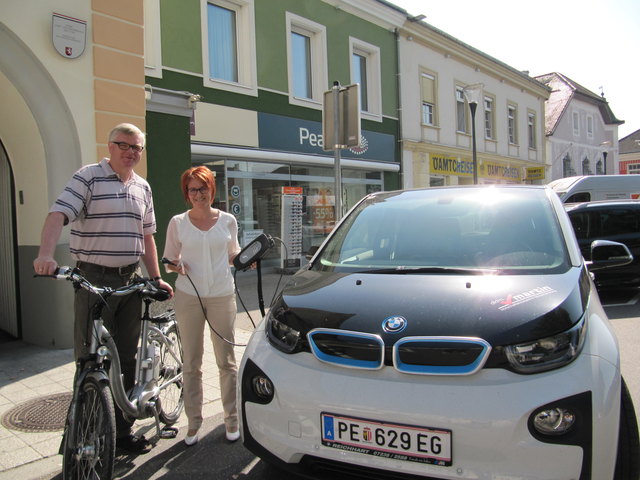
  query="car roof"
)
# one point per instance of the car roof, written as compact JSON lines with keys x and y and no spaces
{"x":464,"y":187}
{"x":570,"y":207}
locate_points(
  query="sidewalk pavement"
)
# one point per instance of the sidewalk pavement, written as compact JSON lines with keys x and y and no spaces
{"x":29,"y":372}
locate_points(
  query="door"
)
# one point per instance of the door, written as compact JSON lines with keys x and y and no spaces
{"x":8,"y":279}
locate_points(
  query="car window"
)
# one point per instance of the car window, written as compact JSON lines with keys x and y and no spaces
{"x":619,"y":221}
{"x":465,"y":230}
{"x":578,"y":197}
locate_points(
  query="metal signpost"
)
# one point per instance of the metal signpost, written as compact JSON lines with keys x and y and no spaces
{"x":340,"y":128}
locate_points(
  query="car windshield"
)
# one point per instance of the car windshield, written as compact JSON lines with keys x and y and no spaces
{"x":475,"y":230}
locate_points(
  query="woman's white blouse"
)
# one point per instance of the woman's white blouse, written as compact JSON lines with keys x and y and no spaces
{"x":205,"y":254}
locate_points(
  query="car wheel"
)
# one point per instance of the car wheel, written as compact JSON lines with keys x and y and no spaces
{"x":628,"y":460}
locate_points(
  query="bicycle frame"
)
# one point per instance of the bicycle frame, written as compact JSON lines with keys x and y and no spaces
{"x":139,"y":403}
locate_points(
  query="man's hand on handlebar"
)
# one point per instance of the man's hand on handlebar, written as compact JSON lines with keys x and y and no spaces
{"x":165,"y":286}
{"x":45,"y":265}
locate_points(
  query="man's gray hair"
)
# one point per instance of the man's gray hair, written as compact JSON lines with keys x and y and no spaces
{"x":127,"y":129}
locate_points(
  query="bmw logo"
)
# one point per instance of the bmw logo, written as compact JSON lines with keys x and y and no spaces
{"x":394,"y":324}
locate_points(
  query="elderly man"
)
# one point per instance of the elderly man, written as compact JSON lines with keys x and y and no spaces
{"x":110,"y":209}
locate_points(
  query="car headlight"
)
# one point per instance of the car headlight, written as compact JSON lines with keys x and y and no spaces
{"x":548,"y":353}
{"x":280,"y":335}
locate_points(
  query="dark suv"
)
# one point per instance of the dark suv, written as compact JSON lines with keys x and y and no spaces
{"x":617,"y":220}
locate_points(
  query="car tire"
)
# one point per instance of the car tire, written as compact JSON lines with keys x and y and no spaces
{"x":628,"y":459}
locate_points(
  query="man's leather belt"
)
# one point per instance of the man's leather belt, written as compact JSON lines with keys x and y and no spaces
{"x":123,"y":271}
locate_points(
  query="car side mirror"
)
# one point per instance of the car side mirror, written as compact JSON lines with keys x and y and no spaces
{"x":605,"y":254}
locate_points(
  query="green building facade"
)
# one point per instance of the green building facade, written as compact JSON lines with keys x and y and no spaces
{"x":238,"y":86}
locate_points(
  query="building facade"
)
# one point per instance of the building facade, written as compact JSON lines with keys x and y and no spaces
{"x":69,"y":72}
{"x":437,"y":133}
{"x":581,"y":130}
{"x":630,"y":153}
{"x":260,"y":70}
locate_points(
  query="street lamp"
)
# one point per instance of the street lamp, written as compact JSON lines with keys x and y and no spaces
{"x":473,"y":96}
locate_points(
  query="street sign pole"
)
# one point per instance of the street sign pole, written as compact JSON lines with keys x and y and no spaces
{"x":336,"y":150}
{"x":340,"y":129}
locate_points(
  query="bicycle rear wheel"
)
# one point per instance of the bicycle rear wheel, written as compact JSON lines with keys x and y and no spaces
{"x":170,"y":399}
{"x":90,"y":443}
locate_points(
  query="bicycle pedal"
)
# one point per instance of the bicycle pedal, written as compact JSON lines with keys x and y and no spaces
{"x":169,"y":432}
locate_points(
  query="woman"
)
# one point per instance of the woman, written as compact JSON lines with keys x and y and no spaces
{"x":202,"y":242}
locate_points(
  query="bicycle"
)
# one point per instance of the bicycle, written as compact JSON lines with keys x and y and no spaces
{"x":89,"y":440}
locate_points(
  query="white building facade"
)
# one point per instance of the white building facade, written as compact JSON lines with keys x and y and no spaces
{"x":581,"y":130}
{"x":437,"y":136}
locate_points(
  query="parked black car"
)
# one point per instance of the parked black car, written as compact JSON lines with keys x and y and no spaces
{"x":616,"y":220}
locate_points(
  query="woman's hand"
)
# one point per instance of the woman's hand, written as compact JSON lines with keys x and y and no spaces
{"x":176,"y":266}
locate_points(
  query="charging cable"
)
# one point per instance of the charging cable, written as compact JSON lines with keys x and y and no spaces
{"x":166,"y":261}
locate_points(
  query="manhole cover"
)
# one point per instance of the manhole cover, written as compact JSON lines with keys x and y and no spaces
{"x":44,"y":414}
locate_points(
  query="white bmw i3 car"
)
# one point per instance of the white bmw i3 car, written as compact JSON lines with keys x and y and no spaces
{"x":445,"y":333}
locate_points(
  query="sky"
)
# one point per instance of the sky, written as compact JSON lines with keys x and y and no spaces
{"x":596,"y":44}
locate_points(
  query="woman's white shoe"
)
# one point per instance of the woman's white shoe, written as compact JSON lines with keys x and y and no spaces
{"x":233,"y":436}
{"x":191,"y":440}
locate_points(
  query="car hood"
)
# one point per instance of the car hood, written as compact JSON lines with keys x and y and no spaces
{"x":501,"y":309}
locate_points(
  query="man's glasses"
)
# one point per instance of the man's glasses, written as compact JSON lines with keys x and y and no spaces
{"x":126,"y":146}
{"x":201,"y":190}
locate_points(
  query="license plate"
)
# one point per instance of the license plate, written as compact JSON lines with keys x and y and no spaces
{"x":387,"y":440}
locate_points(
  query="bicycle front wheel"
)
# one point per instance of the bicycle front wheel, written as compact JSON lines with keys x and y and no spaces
{"x":170,"y":399}
{"x":90,"y":443}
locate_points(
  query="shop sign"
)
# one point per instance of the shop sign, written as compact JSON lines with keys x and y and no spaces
{"x":535,"y":173}
{"x":277,"y":132}
{"x":446,"y":165}
{"x":69,"y":35}
{"x":499,"y":171}
{"x":292,"y":190}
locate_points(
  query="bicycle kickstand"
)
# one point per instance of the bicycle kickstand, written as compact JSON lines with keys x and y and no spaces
{"x":166,"y":431}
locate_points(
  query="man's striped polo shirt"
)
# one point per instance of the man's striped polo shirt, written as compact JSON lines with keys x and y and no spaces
{"x":109,"y":217}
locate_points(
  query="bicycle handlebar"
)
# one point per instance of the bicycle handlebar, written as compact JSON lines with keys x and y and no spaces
{"x":146,"y":286}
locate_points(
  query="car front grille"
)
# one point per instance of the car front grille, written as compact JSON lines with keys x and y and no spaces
{"x":412,"y":355}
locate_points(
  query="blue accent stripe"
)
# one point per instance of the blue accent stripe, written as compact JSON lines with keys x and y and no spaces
{"x":342,"y":361}
{"x":437,"y":342}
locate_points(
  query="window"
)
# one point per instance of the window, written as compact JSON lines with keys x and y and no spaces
{"x":359,"y":69}
{"x":586,"y":167}
{"x":229,"y":55}
{"x":223,"y":53}
{"x":365,"y":70}
{"x":576,"y":123}
{"x":599,"y":168}
{"x":488,"y":118}
{"x":461,"y":111}
{"x":512,"y":124}
{"x":152,"y":44}
{"x":306,"y":61}
{"x":428,"y":93}
{"x":589,"y":126}
{"x":301,"y":61}
{"x":531,"y":127}
{"x":567,"y":168}
{"x":633,"y":168}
